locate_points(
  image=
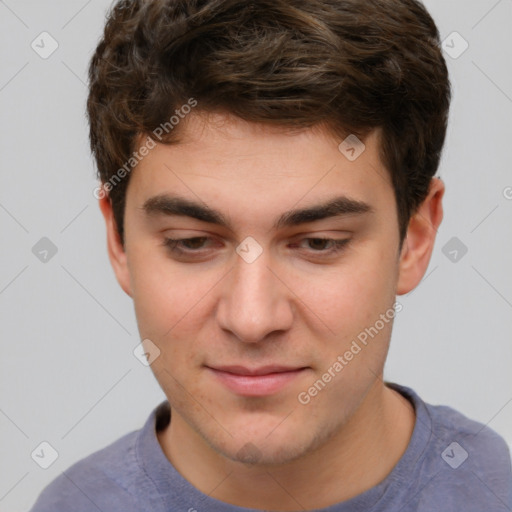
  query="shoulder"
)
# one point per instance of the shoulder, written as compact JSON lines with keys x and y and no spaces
{"x":466,"y":461}
{"x":104,"y":480}
{"x":487,"y":450}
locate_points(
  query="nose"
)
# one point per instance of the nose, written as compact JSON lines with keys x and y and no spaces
{"x":254,"y":300}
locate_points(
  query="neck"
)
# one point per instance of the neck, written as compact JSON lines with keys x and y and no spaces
{"x":355,"y":459}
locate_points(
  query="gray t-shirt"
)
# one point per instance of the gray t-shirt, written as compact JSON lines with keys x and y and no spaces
{"x":452,"y":463}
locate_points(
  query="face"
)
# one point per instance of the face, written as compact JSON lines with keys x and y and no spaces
{"x":265,"y":290}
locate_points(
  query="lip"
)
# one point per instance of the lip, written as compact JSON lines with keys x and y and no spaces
{"x":262,"y":381}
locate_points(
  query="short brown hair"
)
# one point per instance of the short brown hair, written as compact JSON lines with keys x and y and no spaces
{"x":352,"y":65}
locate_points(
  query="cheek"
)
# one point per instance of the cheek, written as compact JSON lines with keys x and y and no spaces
{"x":167,"y":296}
{"x":173,"y":301}
{"x":352,"y":295}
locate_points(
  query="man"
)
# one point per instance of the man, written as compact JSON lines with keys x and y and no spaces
{"x":268,"y":188}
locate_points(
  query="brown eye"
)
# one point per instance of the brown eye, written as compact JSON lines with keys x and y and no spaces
{"x":327,"y":246}
{"x":188,"y":244}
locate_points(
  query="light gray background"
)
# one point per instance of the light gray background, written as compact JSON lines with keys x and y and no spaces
{"x":68,"y":373}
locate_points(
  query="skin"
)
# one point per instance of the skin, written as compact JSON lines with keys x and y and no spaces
{"x":290,"y":306}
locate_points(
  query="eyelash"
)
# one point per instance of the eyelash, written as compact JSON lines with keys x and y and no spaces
{"x":172,"y":244}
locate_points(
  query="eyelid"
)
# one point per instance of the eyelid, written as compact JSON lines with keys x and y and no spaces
{"x":338,"y":245}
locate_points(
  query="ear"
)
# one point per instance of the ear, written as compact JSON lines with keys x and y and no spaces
{"x":419,"y":241}
{"x":116,"y":252}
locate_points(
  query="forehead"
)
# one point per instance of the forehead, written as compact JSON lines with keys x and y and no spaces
{"x":231,"y":164}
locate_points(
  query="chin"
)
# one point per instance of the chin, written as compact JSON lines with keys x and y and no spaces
{"x":268,"y":454}
{"x":281,"y":446}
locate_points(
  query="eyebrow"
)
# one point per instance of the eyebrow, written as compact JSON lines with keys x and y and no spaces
{"x":165,"y":204}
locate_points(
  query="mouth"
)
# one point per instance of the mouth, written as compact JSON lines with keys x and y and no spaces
{"x":261,"y":381}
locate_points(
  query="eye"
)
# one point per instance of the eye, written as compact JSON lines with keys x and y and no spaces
{"x":190,"y":244}
{"x":196,"y":246}
{"x":326,"y":246}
